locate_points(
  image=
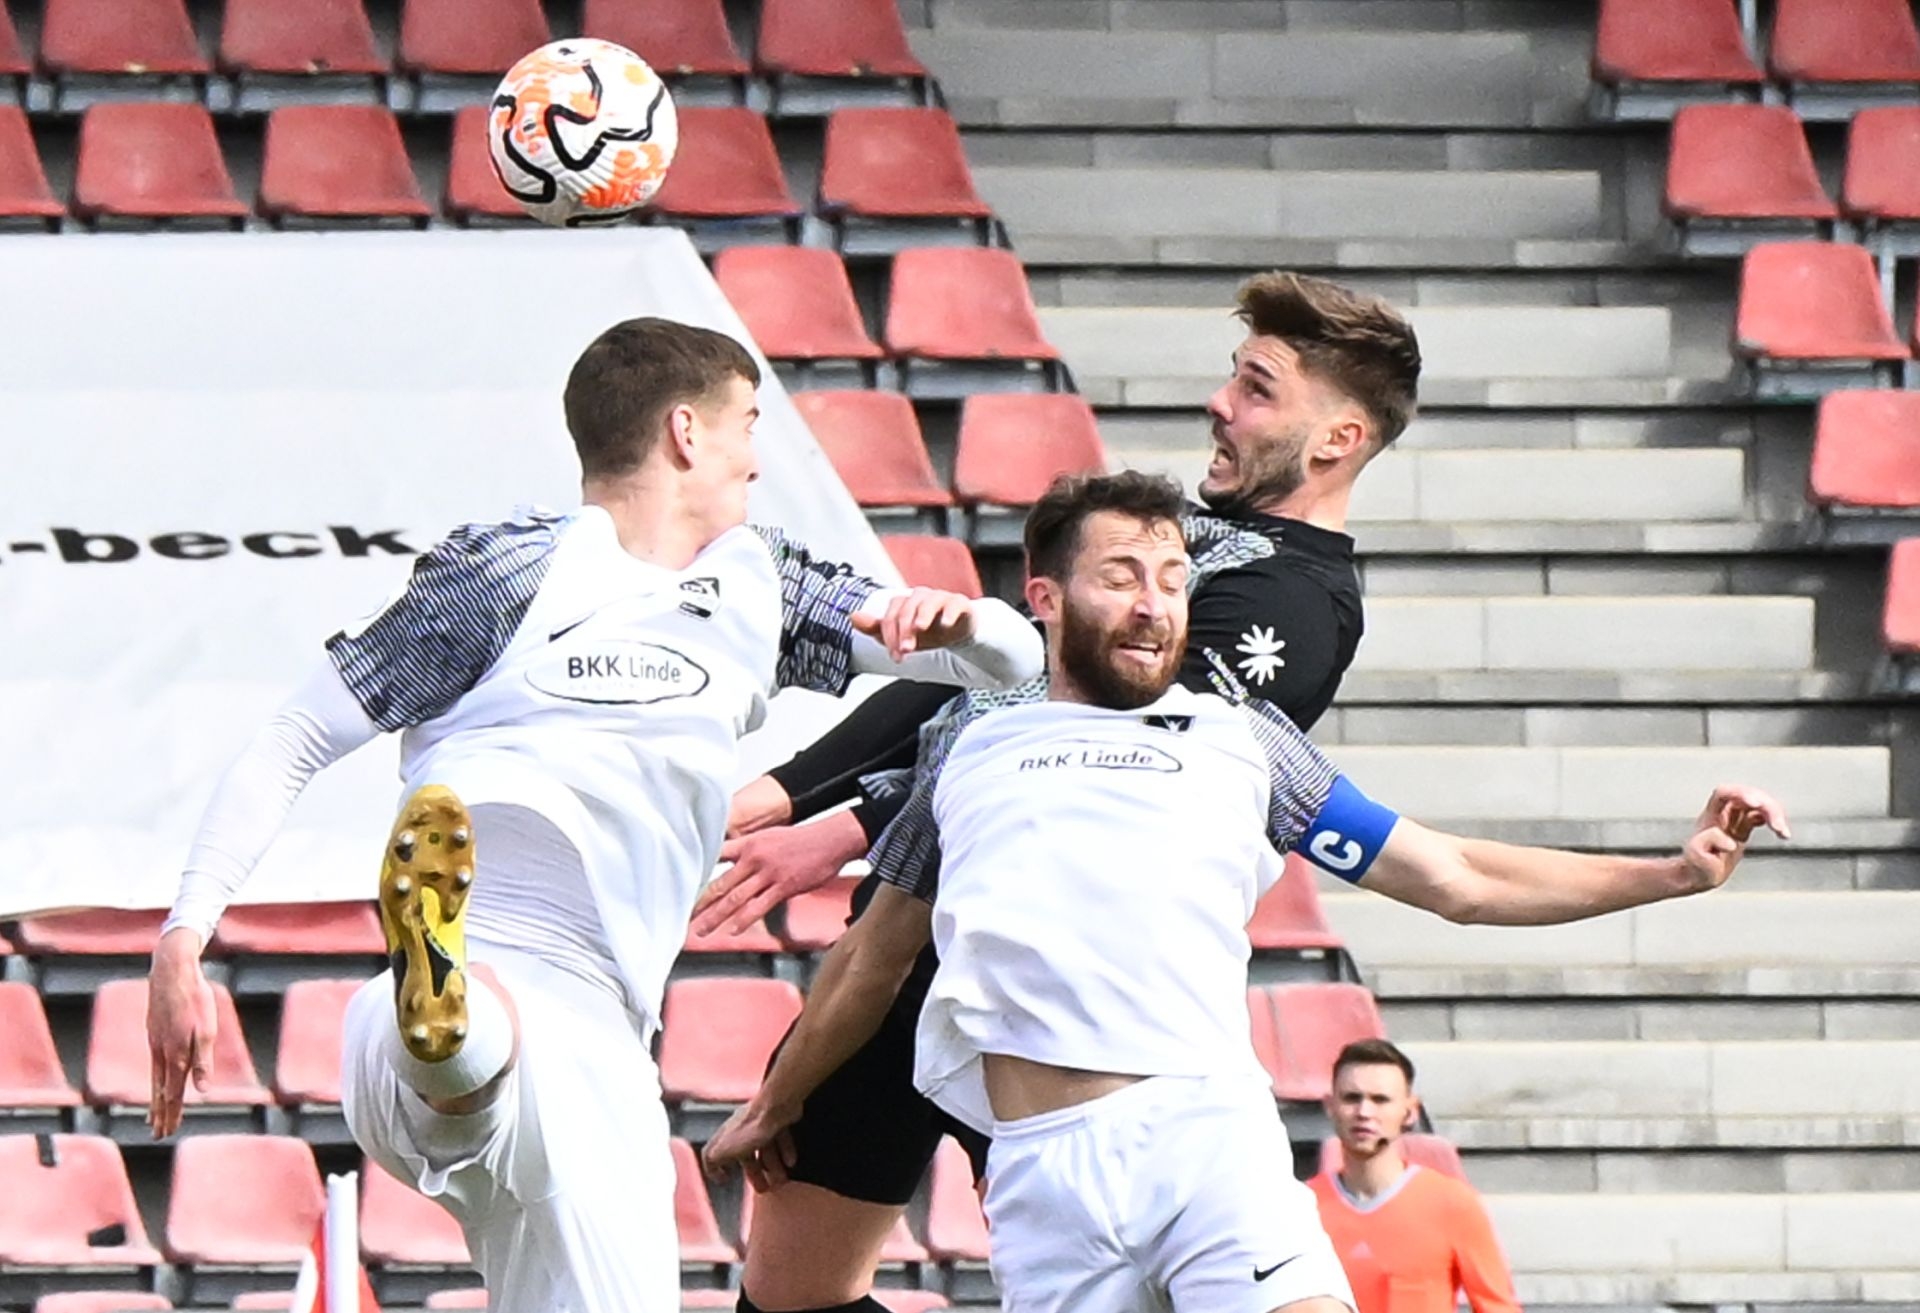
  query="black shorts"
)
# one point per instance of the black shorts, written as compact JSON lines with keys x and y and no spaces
{"x":866,"y":1133}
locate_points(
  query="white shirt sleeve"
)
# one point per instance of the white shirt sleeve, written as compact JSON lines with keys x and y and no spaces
{"x":1006,"y":649}
{"x":321,"y":723}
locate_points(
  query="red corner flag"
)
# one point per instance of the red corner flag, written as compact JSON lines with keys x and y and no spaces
{"x":331,"y":1269}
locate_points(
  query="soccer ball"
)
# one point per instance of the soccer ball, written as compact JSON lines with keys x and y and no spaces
{"x":581,"y":132}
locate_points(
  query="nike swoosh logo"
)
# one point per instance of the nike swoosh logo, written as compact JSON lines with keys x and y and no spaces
{"x":1262,"y":1273}
{"x":563,"y":631}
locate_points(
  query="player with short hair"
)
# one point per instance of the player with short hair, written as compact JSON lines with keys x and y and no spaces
{"x":570,"y":689}
{"x":1410,"y":1240}
{"x":1323,"y":382}
{"x":1085,"y":853}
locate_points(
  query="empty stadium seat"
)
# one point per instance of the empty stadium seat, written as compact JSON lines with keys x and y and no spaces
{"x":1649,"y":56}
{"x":1011,"y":447}
{"x":153,"y":161}
{"x":479,"y":38}
{"x":1900,"y":619}
{"x":962,"y":304}
{"x":327,"y":163}
{"x":700,"y":1240}
{"x":874,"y":442}
{"x":1311,"y":1022}
{"x":63,"y":1194}
{"x":120,"y":1069}
{"x":797,"y":304}
{"x":101,"y":1301}
{"x":307,"y":1070}
{"x":472,"y":1297}
{"x":242,"y":1200}
{"x":75,"y":951}
{"x":400,"y":1227}
{"x":684,"y":37}
{"x":816,"y":54}
{"x":899,"y":1246}
{"x":887,"y":171}
{"x":1738,"y":172}
{"x":33,"y":1085}
{"x":1881,"y":188}
{"x":1811,"y":320}
{"x":812,"y":922}
{"x":719,"y":1299}
{"x":755,"y":940}
{"x":107,"y":47}
{"x":718,"y":1033}
{"x":1434,"y":1152}
{"x":1865,"y":474}
{"x":25,"y":198}
{"x":928,"y":560}
{"x":726,"y":167}
{"x":13,"y":56}
{"x":475,"y":194}
{"x":1288,"y":920}
{"x":956,"y":1228}
{"x":276,"y":43}
{"x":1837,"y":55}
{"x":269,"y":946}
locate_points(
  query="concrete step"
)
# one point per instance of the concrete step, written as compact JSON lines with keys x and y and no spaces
{"x":1721,"y":1292}
{"x":1453,"y":783}
{"x":1738,"y":1018}
{"x":1763,"y":984}
{"x":1105,"y":147}
{"x":1588,"y":633}
{"x":1729,"y":930}
{"x":1767,"y":1170}
{"x":1228,"y":15}
{"x":1705,"y":688}
{"x":1609,"y":726}
{"x":1333,"y":206}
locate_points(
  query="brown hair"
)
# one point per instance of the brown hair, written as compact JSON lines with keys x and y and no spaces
{"x":1359,"y":344}
{"x":623,"y":385}
{"x":1053,"y":525}
{"x":1373,"y":1053}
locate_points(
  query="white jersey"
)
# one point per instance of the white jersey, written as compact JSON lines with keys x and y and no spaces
{"x":538,"y":664}
{"x":1093,"y":878}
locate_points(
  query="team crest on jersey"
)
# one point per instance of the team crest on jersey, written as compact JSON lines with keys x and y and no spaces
{"x":703,"y":597}
{"x":620,"y":672}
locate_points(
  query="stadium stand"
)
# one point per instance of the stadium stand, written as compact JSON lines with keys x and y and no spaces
{"x":240,"y":1207}
{"x":411,"y":1245}
{"x":1737,"y":174}
{"x":75,"y":952}
{"x":1650,"y":56}
{"x":1836,"y":56}
{"x":961,"y":320}
{"x":1811,"y":320}
{"x":334,"y":163}
{"x":1879,"y":191}
{"x":716,"y":1036}
{"x":119,"y":1084}
{"x":726,"y":168}
{"x":269,"y":946}
{"x":874,"y":442}
{"x":466,"y":40}
{"x":1289,"y":933}
{"x":25,"y":199}
{"x":1012,"y":446}
{"x":687,"y":38}
{"x":306,"y":1074}
{"x":798,"y":305}
{"x":101,"y":1301}
{"x":474,"y":195}
{"x":893,"y":178}
{"x":284,"y":51}
{"x":823,"y":55}
{"x":146,"y":163}
{"x":930,"y":561}
{"x":68,"y":1219}
{"x":1312,"y":1022}
{"x":120,"y":49}
{"x":1865,"y":475}
{"x":34,"y":1091}
{"x":701,"y":1244}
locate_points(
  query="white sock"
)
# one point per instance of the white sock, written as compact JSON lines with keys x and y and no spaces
{"x":485,"y":1053}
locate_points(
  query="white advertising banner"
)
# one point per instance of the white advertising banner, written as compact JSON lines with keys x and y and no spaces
{"x":217,"y":450}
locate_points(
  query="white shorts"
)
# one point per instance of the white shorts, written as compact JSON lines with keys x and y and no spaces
{"x":1175,"y":1193}
{"x":563,"y":1185}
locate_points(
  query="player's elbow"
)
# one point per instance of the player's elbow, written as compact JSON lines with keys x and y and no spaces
{"x":1459,"y":893}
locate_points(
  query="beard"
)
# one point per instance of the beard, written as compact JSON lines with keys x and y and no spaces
{"x":1087,"y":656}
{"x":1264,"y":472}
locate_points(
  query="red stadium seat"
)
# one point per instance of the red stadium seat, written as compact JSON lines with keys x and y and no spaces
{"x":962,"y":304}
{"x":24,"y":194}
{"x":910,"y":1301}
{"x":152,"y":161}
{"x":119,"y":1068}
{"x":481,"y":38}
{"x":898,"y":164}
{"x":1810,"y":318}
{"x":105,"y":932}
{"x":1866,"y":450}
{"x":1881,"y":187}
{"x":899,"y":1246}
{"x":874,"y":442}
{"x":101,"y":1301}
{"x":726,"y":167}
{"x":835,"y":39}
{"x":1434,"y":1152}
{"x":815,"y":920}
{"x":347,"y":929}
{"x":307,"y":1070}
{"x":756,"y":939}
{"x":1311,"y":1024}
{"x":474,"y":191}
{"x":243,"y":1199}
{"x":471,"y":1297}
{"x":1012,"y":446}
{"x":718,"y":1033}
{"x":686,"y":37}
{"x":956,"y":1228}
{"x":1650,"y":54}
{"x":31,"y":1077}
{"x":1745,"y":166}
{"x":401,"y":1227}
{"x":13,"y":55}
{"x":1844,"y":42}
{"x":62,"y":1193}
{"x":703,"y":1299}
{"x":123,"y":37}
{"x":1289,"y":918}
{"x":263,"y":1301}
{"x":797,"y":303}
{"x":928,"y":560}
{"x":299,"y":38}
{"x":332,"y":162}
{"x":1900,"y":621}
{"x":700,"y":1238}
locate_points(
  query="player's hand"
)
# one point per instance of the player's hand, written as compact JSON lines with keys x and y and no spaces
{"x":760,"y":804}
{"x":1720,"y":835}
{"x":774,"y":865}
{"x":920,"y":619}
{"x":755,"y":1140}
{"x":180,"y":1027}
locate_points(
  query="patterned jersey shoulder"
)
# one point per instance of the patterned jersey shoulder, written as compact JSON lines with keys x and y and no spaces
{"x":458,"y":611}
{"x":818,"y":599}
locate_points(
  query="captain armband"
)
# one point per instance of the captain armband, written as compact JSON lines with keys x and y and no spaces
{"x":1349,"y":832}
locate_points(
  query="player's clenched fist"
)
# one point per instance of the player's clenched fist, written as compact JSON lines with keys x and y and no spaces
{"x":920,"y":619}
{"x":1719,"y":838}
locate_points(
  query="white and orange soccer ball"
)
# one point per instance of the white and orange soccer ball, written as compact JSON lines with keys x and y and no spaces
{"x":581,"y":132}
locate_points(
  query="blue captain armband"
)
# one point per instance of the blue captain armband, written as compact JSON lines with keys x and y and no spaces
{"x":1349,"y":832}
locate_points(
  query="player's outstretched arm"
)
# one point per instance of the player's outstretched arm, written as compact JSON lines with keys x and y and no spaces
{"x":316,"y":727}
{"x":858,"y":981}
{"x":1479,"y":881}
{"x":946,"y":638}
